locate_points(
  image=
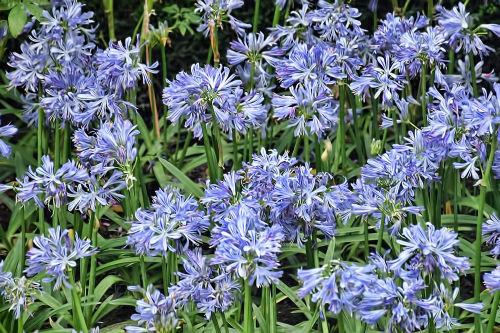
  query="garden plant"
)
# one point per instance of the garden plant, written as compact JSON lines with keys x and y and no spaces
{"x":319,"y":168}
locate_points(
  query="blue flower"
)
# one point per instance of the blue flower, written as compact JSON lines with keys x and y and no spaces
{"x":209,"y":288}
{"x":310,"y":108}
{"x":172,"y":224}
{"x":305,"y":63}
{"x":491,"y":228}
{"x":492,"y":280}
{"x":6,"y":131}
{"x":56,"y":255}
{"x":430,"y":250}
{"x":249,"y":249}
{"x":251,"y":49}
{"x":155,"y":312}
{"x":216,"y":12}
{"x":194,"y":96}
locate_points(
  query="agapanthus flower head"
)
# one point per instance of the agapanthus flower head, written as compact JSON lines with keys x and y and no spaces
{"x":429,"y":250}
{"x":172,"y":223}
{"x":390,"y":30}
{"x":309,"y":63}
{"x":249,"y":249}
{"x":444,"y":304}
{"x":119,"y":65}
{"x":195,"y":96}
{"x":155,"y":312}
{"x":492,"y":280}
{"x":56,"y":255}
{"x":457,"y":26}
{"x":337,"y":286}
{"x":216,"y":12}
{"x":256,"y":49}
{"x":206,"y":285}
{"x":310,"y":108}
{"x":336,"y":20}
{"x":112,"y":145}
{"x":6,"y":131}
{"x":491,"y":229}
{"x":50,"y":183}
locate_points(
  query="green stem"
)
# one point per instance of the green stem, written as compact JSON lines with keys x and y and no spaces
{"x":247,"y":311}
{"x":451,"y":64}
{"x":493,"y":312}
{"x":178,"y":142}
{"x":381,"y":234}
{"x":307,"y":154}
{"x":77,"y":307}
{"x":108,"y":11}
{"x":66,"y":142}
{"x":41,"y":119}
{"x":340,"y":146}
{"x":144,"y":276}
{"x":296,"y":147}
{"x":430,"y":10}
{"x":57,"y":144}
{"x":317,"y":153}
{"x":472,"y":68}
{"x":216,"y":133}
{"x":236,"y":165}
{"x":23,"y":239}
{"x":93,"y":267}
{"x":164,"y":80}
{"x":224,"y":321}
{"x":367,"y":246}
{"x":187,"y":142}
{"x":256,"y":16}
{"x":309,"y":252}
{"x":208,"y":153}
{"x":216,"y":324}
{"x":277,"y":15}
{"x":164,"y":272}
{"x":485,"y":183}
{"x":20,"y":323}
{"x":273,"y":328}
{"x":423,"y":81}
{"x":374,"y":107}
{"x":395,"y":125}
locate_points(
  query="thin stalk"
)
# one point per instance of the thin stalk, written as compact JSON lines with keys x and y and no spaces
{"x":216,"y":135}
{"x":395,"y":125}
{"x":93,"y":267}
{"x":493,"y":313}
{"x":317,"y":153}
{"x":41,"y":119}
{"x":455,"y":200}
{"x":57,"y":144}
{"x":472,"y":68}
{"x":20,"y":323}
{"x":152,"y":97}
{"x":430,"y":10}
{"x":296,"y":147}
{"x":256,"y":16}
{"x":187,"y":142}
{"x":144,"y":276}
{"x":309,"y":252}
{"x":423,"y":82}
{"x":277,"y":15}
{"x":247,"y":311}
{"x":164,"y":80}
{"x":108,"y":11}
{"x":273,"y":328}
{"x":23,"y":239}
{"x":357,"y":137}
{"x":375,"y":19}
{"x":485,"y":182}
{"x":236,"y":165}
{"x":215,"y":44}
{"x":367,"y":246}
{"x":381,"y":234}
{"x":307,"y":154}
{"x":340,"y":146}
{"x":224,"y":321}
{"x":66,"y":140}
{"x":216,"y":324}
{"x":208,"y":153}
{"x":77,"y":307}
{"x":178,"y":142}
{"x":451,"y":64}
{"x":374,"y":107}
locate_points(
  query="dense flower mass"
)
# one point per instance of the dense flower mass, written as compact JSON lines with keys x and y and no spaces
{"x":315,"y":166}
{"x":56,"y":255}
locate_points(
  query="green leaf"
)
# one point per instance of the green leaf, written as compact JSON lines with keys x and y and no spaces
{"x":17,"y":20}
{"x":187,"y":184}
{"x":292,"y":295}
{"x":34,"y":9}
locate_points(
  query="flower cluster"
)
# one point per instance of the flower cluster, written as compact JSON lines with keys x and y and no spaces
{"x":171,"y":224}
{"x":56,"y":255}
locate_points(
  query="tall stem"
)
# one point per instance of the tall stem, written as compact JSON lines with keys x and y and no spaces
{"x":247,"y":314}
{"x":152,"y":97}
{"x":77,"y":307}
{"x":381,"y":234}
{"x":277,"y":14}
{"x":57,"y":144}
{"x":164,"y":80}
{"x":493,"y":312}
{"x":208,"y":153}
{"x":485,"y":183}
{"x":93,"y":267}
{"x":41,"y":119}
{"x":472,"y":68}
{"x":256,"y":16}
{"x":340,"y":146}
{"x":423,"y":91}
{"x":108,"y":11}
{"x":367,"y":247}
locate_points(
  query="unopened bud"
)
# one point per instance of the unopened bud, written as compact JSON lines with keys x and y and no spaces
{"x":324,"y":156}
{"x":376,"y":147}
{"x":328,"y":145}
